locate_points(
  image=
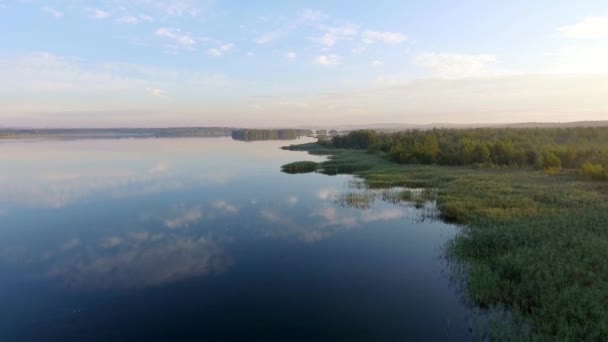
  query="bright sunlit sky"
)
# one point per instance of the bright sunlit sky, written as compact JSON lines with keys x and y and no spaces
{"x":110,"y":63}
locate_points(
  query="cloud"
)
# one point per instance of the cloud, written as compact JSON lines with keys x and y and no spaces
{"x":370,"y":37}
{"x":269,"y":37}
{"x":70,"y":244}
{"x":128,"y":19}
{"x":588,"y":28}
{"x":111,"y":242}
{"x":216,"y":80}
{"x":145,"y":17}
{"x":306,"y":17}
{"x":292,"y":200}
{"x":159,"y":168}
{"x":333,"y":34}
{"x":383,"y":215}
{"x":176,"y":36}
{"x":44,"y":72}
{"x":589,"y":60}
{"x":97,"y":13}
{"x":326,"y":193}
{"x":310,"y":15}
{"x":157,"y":92}
{"x":376,"y":63}
{"x":141,"y":263}
{"x":140,"y":236}
{"x":53,"y":12}
{"x":225,"y":207}
{"x":184,"y":218}
{"x":328,"y":60}
{"x":333,"y":218}
{"x":291,"y":55}
{"x":449,"y":65}
{"x":220,"y":50}
{"x":178,"y":7}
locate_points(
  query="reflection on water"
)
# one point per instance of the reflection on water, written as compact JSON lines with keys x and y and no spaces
{"x":206,"y":237}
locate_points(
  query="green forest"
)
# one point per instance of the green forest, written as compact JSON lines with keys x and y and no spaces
{"x":551,"y":150}
{"x":268,"y":134}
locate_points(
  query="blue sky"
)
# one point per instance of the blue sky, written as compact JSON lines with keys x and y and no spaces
{"x":179,"y":62}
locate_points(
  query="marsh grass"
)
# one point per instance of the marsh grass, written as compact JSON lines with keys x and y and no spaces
{"x":534,"y":245}
{"x":300,"y":167}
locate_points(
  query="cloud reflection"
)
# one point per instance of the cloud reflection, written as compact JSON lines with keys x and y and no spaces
{"x":324,"y":222}
{"x":184,"y":218}
{"x":225,"y":207}
{"x":141,"y":262}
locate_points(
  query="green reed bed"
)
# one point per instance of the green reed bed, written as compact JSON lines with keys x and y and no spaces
{"x":532,"y":243}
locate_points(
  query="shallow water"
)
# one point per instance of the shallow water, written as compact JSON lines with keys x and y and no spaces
{"x":205,"y":239}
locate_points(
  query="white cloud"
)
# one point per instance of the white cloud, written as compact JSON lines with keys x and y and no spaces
{"x":70,"y":244}
{"x":328,"y":39}
{"x":292,"y":200}
{"x":111,"y":242}
{"x":184,"y":218}
{"x":328,"y":60}
{"x":215,"y":80}
{"x":159,"y":168}
{"x":578,"y":60}
{"x":156,"y":92}
{"x":145,"y":17}
{"x":225,"y":207}
{"x":383,"y":215}
{"x":306,"y":17}
{"x":450,"y":65}
{"x":376,"y":63}
{"x":141,"y":263}
{"x":176,"y":36}
{"x":53,"y":12}
{"x":291,"y":55}
{"x":128,"y":19}
{"x":588,"y":28}
{"x":269,"y":37}
{"x":326,"y":193}
{"x":179,"y":7}
{"x":370,"y":37}
{"x":309,"y":15}
{"x":333,"y":218}
{"x":97,"y":13}
{"x":333,"y":34}
{"x":220,"y":50}
{"x":43,"y":72}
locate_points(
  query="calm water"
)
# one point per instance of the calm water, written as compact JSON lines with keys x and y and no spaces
{"x":204,"y":239}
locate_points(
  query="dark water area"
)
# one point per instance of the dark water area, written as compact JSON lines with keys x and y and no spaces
{"x":204,"y":239}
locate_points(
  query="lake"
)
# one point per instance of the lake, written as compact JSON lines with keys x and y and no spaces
{"x":205,"y":239}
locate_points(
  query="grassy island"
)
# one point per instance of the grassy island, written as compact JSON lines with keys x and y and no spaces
{"x":533,"y":204}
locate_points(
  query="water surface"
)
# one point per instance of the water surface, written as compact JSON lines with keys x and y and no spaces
{"x":204,"y":239}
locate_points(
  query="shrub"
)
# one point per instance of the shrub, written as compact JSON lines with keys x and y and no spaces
{"x":593,"y":172}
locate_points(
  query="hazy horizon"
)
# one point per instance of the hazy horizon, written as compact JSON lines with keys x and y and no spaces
{"x":147,"y":63}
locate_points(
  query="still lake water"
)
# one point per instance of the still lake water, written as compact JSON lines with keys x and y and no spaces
{"x":205,"y":239}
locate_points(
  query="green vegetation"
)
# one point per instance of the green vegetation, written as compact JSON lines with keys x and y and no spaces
{"x":533,"y":243}
{"x":300,"y":167}
{"x":115,"y":132}
{"x":268,"y":134}
{"x":549,"y":149}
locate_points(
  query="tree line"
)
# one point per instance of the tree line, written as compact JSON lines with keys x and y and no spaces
{"x":550,"y":149}
{"x":268,"y":134}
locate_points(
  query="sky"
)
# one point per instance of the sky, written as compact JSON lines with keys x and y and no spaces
{"x":153,"y":63}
